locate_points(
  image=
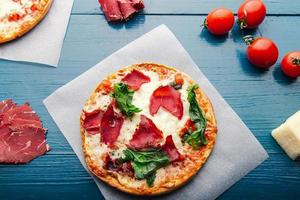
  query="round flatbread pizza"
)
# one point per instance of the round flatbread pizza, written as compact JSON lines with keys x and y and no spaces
{"x":17,"y":17}
{"x":147,"y":129}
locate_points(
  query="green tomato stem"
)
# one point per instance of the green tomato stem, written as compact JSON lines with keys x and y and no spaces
{"x":296,"y":61}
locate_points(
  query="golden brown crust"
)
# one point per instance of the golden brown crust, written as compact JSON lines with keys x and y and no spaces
{"x":189,"y":167}
{"x":26,"y":26}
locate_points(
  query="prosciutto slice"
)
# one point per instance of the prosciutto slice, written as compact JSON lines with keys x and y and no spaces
{"x":168,"y":98}
{"x":21,"y":115}
{"x":146,"y":136}
{"x":21,"y":145}
{"x":22,"y":137}
{"x":135,"y":79}
{"x":111,"y":125}
{"x":6,"y":105}
{"x":118,"y":10}
{"x":92,"y":121}
{"x":170,"y":149}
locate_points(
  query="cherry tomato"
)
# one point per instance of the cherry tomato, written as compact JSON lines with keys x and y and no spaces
{"x":219,"y":21}
{"x":290,"y":64}
{"x":251,"y":14}
{"x":262,"y":52}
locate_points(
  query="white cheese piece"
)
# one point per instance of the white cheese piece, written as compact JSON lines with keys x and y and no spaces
{"x":288,"y":136}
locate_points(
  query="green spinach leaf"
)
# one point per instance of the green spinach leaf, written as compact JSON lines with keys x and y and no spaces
{"x":150,"y":179}
{"x":123,"y":96}
{"x":146,"y":163}
{"x":196,"y":138}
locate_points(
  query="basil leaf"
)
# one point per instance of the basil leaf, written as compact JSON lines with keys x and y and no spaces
{"x":196,"y":138}
{"x":123,"y":96}
{"x":146,"y":163}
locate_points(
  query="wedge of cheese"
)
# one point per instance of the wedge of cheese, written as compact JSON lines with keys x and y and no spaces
{"x":288,"y":136}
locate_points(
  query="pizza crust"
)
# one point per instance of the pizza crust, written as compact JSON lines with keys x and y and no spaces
{"x":188,"y":168}
{"x":26,"y":26}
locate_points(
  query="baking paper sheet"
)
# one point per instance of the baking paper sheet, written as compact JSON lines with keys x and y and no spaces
{"x":44,"y":42}
{"x":236,"y":151}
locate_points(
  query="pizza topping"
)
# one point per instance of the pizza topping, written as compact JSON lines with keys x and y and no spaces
{"x":168,"y":98}
{"x":92,"y":121}
{"x":118,"y":10}
{"x":123,"y":97}
{"x":170,"y":149}
{"x":135,"y":79}
{"x":195,"y":138}
{"x":146,"y":136}
{"x":189,"y":127}
{"x":16,"y":10}
{"x":175,"y":85}
{"x":116,"y":165}
{"x":105,"y":87}
{"x":111,"y":124}
{"x":178,"y":82}
{"x":22,"y":137}
{"x":146,"y":163}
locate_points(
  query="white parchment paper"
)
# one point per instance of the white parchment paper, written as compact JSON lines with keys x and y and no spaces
{"x":44,"y":42}
{"x":236,"y":151}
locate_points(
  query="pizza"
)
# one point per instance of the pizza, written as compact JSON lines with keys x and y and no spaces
{"x":147,"y":129}
{"x":17,"y":17}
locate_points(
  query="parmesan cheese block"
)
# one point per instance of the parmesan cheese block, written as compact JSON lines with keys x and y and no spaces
{"x":288,"y":136}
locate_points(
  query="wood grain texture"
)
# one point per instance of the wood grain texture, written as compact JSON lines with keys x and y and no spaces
{"x":192,"y":7}
{"x":263,"y":99}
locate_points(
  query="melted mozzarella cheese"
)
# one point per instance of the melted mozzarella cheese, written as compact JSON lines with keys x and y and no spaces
{"x":94,"y":148}
{"x":9,"y":6}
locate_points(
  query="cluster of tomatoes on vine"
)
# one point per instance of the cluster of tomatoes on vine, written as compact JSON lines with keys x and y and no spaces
{"x":261,"y":52}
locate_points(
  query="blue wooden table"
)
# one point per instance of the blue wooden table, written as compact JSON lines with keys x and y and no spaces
{"x":263,"y":99}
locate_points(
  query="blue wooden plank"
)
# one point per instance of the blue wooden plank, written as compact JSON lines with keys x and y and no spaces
{"x":260,"y":98}
{"x":194,"y":7}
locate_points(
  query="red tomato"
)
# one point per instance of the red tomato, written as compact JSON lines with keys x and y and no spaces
{"x":290,"y":64}
{"x":262,"y":52}
{"x":219,"y":21}
{"x":251,"y":14}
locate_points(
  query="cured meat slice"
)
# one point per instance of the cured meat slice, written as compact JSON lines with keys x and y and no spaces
{"x":135,"y":79}
{"x":138,"y":4}
{"x":6,"y":105}
{"x":92,"y":121}
{"x":111,"y":124}
{"x":21,"y":115}
{"x":126,"y":7}
{"x":117,"y":10}
{"x":21,"y":145}
{"x":114,"y":165}
{"x":146,"y":136}
{"x":111,"y":10}
{"x":170,"y":149}
{"x":22,"y":137}
{"x":168,"y":98}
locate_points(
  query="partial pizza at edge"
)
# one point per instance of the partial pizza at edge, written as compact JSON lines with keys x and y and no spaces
{"x":17,"y":17}
{"x":147,"y":151}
